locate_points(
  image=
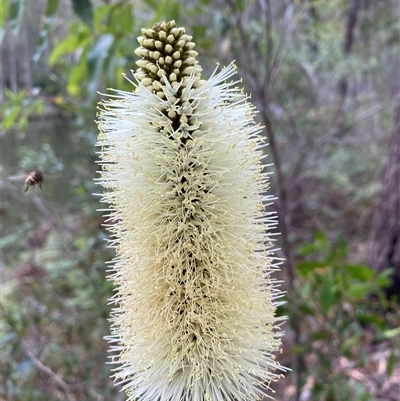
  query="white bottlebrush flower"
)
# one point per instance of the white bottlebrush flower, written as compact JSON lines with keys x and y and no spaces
{"x":182,"y":167}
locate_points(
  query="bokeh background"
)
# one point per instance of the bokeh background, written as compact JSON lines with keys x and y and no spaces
{"x":325,"y":77}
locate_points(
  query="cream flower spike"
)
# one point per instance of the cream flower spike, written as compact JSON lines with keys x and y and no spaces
{"x":194,"y":309}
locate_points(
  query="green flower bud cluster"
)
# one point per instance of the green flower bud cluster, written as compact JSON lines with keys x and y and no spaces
{"x":166,"y":50}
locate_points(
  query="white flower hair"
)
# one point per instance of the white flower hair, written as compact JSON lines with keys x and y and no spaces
{"x":181,"y":158}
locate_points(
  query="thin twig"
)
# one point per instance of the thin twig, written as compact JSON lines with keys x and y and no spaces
{"x":47,"y":371}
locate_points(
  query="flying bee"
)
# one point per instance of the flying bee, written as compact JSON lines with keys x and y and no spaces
{"x":34,"y":178}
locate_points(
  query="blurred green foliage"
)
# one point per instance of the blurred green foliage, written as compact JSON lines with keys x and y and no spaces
{"x":341,"y":310}
{"x":17,"y":110}
{"x":56,"y":308}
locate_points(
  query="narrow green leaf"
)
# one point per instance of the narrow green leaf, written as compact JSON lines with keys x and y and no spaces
{"x":390,"y":364}
{"x":161,"y":10}
{"x":239,"y":5}
{"x":391,"y":333}
{"x":371,"y":318}
{"x":308,"y":249}
{"x":303,"y":268}
{"x":327,"y":296}
{"x":83,"y":8}
{"x":113,"y":17}
{"x":52,"y":7}
{"x":152,"y":3}
{"x":359,"y":290}
{"x":167,"y":10}
{"x":77,"y":75}
{"x":3,"y":12}
{"x":298,"y":349}
{"x":77,"y":37}
{"x":199,"y":31}
{"x":320,"y":237}
{"x":66,"y":46}
{"x":348,"y":343}
{"x":306,"y":310}
{"x":320,"y":335}
{"x":359,"y":272}
{"x":362,"y":356}
{"x":384,"y":277}
{"x":100,"y":13}
{"x":175,"y":11}
{"x":126,"y":19}
{"x":341,"y":244}
{"x":10,"y":117}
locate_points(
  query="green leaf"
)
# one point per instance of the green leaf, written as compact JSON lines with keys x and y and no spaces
{"x":308,"y":249}
{"x":152,"y":3}
{"x":99,"y":14}
{"x":390,"y":364}
{"x":298,"y":349}
{"x":359,"y":272}
{"x":327,"y":295}
{"x":167,"y":10}
{"x":126,"y":19}
{"x":10,"y":117}
{"x":384,"y":277}
{"x":239,"y":5}
{"x":51,"y":7}
{"x":83,"y":8}
{"x":15,"y":14}
{"x":306,"y":289}
{"x":359,"y":290}
{"x":368,"y":318}
{"x":320,"y":237}
{"x":3,"y":12}
{"x":306,"y":310}
{"x":199,"y":31}
{"x":66,"y":46}
{"x":303,"y":268}
{"x":348,"y":343}
{"x":77,"y":37}
{"x":175,"y":11}
{"x":391,"y":333}
{"x":341,"y":245}
{"x":320,"y":335}
{"x":362,"y":356}
{"x":77,"y":75}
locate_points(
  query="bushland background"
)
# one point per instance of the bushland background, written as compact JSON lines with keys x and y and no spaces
{"x":325,"y":78}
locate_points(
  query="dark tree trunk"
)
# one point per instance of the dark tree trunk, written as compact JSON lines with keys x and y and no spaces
{"x":347,"y":46}
{"x":385,"y":235}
